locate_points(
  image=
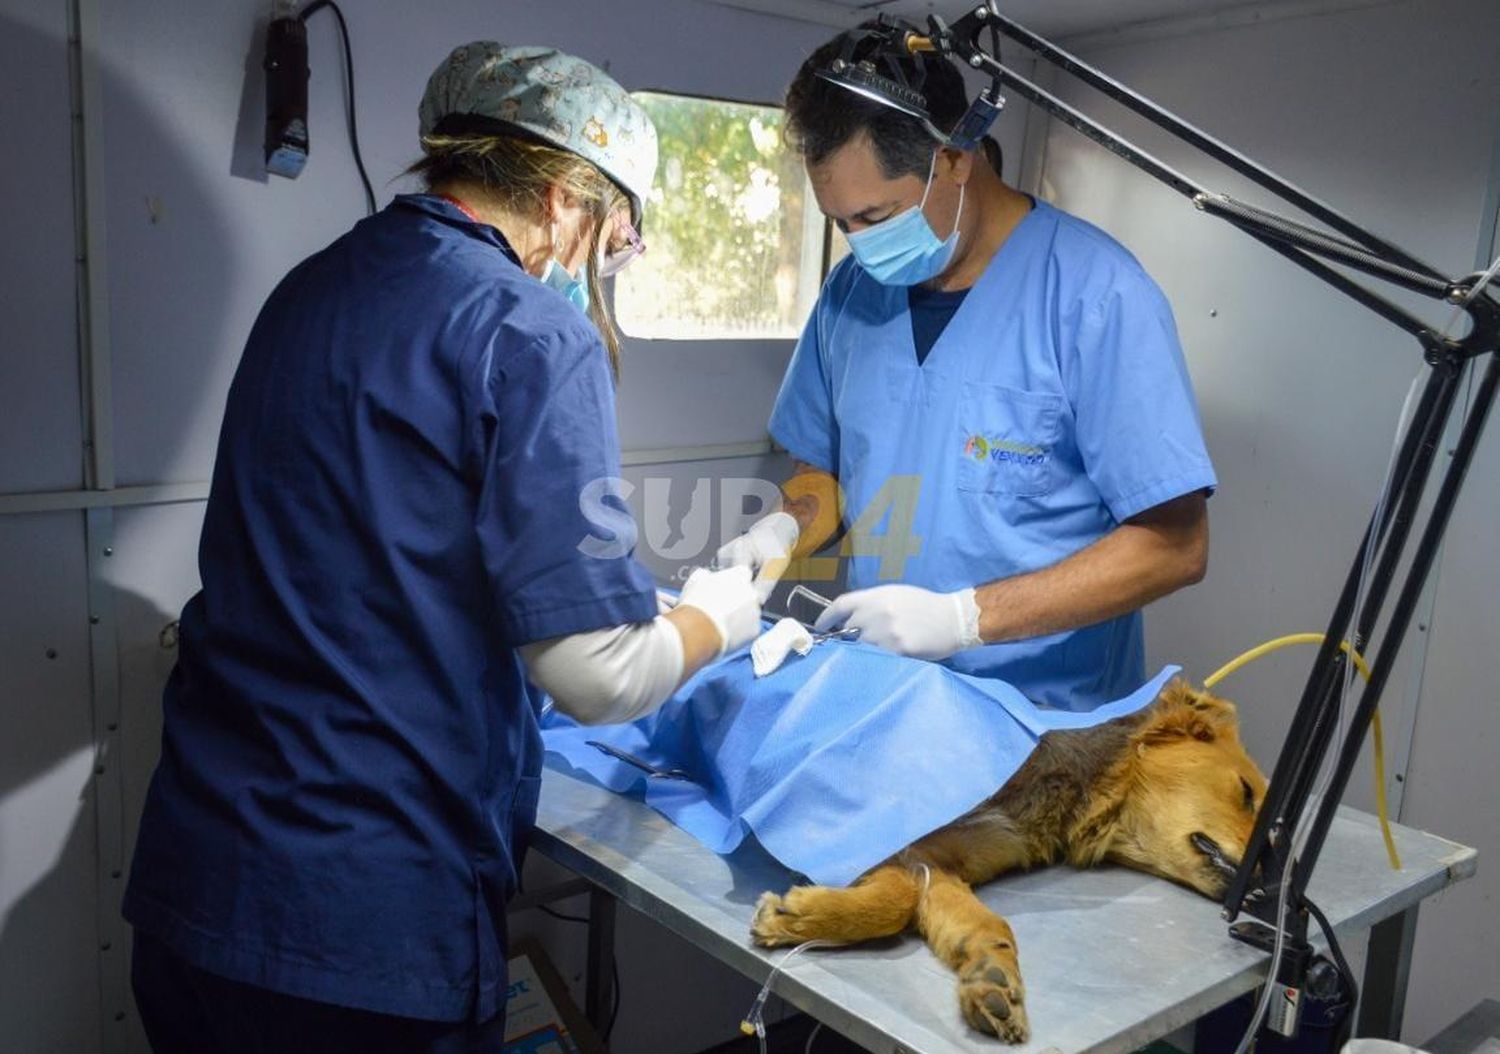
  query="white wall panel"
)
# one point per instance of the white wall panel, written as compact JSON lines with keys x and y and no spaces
{"x":40,"y":428}
{"x":1390,"y":114}
{"x":49,"y":992}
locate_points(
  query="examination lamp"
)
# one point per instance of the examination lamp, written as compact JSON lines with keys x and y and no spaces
{"x":1270,"y":882}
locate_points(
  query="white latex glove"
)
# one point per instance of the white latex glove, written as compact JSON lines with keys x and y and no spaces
{"x":766,"y":548}
{"x":907,"y":620}
{"x":730,"y":601}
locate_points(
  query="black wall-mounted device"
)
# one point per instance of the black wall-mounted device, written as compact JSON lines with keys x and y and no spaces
{"x":286,"y":97}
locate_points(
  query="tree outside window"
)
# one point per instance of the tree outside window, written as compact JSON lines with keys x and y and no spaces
{"x":734,"y":238}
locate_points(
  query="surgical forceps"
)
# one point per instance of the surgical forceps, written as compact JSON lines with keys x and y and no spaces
{"x":801,"y":592}
{"x":645,"y":766}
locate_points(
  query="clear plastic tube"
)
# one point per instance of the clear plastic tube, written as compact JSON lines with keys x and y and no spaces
{"x":754,"y":1023}
{"x":1297,"y":840}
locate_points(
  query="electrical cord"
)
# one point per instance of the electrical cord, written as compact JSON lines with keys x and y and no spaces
{"x":1334,"y":949}
{"x":359,"y":162}
{"x":1296,"y":839}
{"x":560,"y":915}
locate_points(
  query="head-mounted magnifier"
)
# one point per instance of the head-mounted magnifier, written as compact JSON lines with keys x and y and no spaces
{"x":886,"y":62}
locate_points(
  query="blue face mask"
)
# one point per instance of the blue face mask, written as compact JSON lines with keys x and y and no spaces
{"x":575,"y":289}
{"x":904,"y":250}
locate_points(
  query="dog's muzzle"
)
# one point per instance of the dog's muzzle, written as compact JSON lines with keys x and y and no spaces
{"x":1215,"y":856}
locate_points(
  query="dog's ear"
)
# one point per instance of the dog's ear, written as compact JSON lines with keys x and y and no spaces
{"x":1184,"y":712}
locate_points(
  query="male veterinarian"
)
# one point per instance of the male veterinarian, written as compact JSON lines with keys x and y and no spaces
{"x":998,"y":391}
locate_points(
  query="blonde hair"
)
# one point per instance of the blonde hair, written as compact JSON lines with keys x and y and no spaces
{"x":517,"y":173}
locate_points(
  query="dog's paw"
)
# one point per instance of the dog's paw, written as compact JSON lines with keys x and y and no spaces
{"x":991,"y":995}
{"x":804,"y":913}
{"x":774,"y":922}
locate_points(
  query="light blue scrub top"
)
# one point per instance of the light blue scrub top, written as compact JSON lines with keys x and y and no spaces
{"x":1055,"y":405}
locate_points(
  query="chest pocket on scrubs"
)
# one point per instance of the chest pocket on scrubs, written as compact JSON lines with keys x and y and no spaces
{"x":1008,"y":438}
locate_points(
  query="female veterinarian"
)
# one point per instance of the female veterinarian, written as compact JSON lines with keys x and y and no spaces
{"x":350,"y":756}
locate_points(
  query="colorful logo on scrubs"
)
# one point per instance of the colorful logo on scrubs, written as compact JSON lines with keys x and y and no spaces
{"x":1004,"y":451}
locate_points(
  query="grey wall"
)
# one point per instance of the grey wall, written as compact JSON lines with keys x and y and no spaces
{"x":1391,"y":114}
{"x":48,"y":938}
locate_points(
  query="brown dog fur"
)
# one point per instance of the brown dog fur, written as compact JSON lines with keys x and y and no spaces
{"x":1169,"y":790}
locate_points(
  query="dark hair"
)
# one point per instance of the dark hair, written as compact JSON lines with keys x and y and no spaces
{"x":821,"y":116}
{"x":993,"y":154}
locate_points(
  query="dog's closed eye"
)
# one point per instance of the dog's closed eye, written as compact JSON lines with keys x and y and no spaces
{"x":1249,"y":794}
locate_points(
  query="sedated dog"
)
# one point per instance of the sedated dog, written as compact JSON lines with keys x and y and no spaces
{"x":1169,"y":790}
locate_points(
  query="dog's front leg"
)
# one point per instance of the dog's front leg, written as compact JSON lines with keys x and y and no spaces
{"x":880,"y":904}
{"x":980,"y":947}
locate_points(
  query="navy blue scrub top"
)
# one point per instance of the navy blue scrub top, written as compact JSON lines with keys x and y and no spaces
{"x":350,"y":754}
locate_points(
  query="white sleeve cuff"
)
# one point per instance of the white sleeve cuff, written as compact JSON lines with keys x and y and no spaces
{"x":608,"y":676}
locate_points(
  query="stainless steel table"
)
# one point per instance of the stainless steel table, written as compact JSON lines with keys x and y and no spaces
{"x":1112,"y":958}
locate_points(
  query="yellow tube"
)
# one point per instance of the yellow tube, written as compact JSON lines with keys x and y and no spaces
{"x":1379,"y":733}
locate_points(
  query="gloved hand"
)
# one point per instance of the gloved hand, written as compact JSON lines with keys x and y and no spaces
{"x":730,"y":601}
{"x":766,"y":548}
{"x":907,"y":620}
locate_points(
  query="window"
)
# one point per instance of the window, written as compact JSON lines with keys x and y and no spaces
{"x":734,"y":239}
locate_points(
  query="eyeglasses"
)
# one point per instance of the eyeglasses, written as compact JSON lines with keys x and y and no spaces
{"x":615,"y":259}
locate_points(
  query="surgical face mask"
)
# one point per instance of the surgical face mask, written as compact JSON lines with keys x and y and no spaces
{"x":564,"y":281}
{"x":575,"y":289}
{"x":904,"y":250}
